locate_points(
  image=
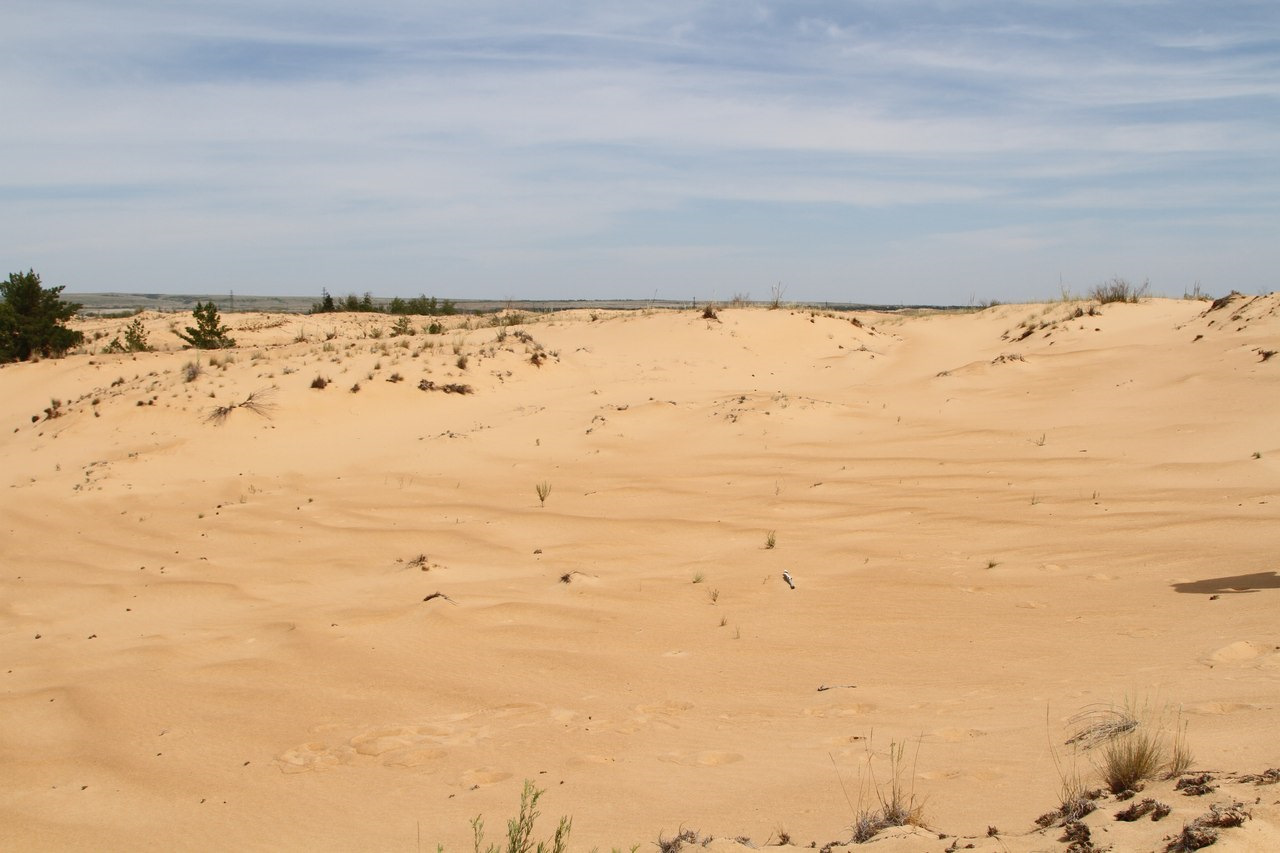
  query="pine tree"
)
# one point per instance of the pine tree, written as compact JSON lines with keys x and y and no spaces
{"x":207,"y":333}
{"x":31,"y":319}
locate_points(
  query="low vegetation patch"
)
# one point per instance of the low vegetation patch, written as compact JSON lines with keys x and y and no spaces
{"x":1118,"y":290}
{"x":520,"y":829}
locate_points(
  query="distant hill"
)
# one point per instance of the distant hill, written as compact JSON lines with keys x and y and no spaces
{"x":98,"y":303}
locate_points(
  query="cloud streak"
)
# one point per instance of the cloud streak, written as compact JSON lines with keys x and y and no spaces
{"x":584,"y":149}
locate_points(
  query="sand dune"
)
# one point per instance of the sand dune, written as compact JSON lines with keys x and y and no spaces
{"x":215,"y":636}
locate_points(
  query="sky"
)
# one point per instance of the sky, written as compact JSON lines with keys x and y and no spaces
{"x":885,"y":151}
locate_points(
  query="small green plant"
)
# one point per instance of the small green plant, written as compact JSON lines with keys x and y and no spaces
{"x":402,"y":326}
{"x":208,"y":332}
{"x":520,"y":828}
{"x":699,"y":577}
{"x":543,"y":489}
{"x":714,"y":595}
{"x":770,"y":540}
{"x":135,"y":339}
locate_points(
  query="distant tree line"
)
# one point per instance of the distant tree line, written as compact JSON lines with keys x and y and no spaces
{"x":352,"y":303}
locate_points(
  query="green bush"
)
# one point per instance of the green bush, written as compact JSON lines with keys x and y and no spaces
{"x":207,"y":333}
{"x":135,"y":339}
{"x":31,"y":319}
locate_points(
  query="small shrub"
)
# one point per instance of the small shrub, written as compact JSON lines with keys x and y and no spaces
{"x":1118,"y":290}
{"x":208,"y":332}
{"x":1131,"y":758}
{"x":896,"y":799}
{"x":462,"y":362}
{"x":520,"y":828}
{"x":135,"y":337}
{"x":771,"y":540}
{"x":320,"y":383}
{"x":191,"y":371}
{"x":402,"y":326}
{"x":543,"y":489}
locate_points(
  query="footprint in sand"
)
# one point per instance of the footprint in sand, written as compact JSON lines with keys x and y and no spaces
{"x":659,"y":715}
{"x":312,"y":756}
{"x":483,"y":776}
{"x":701,"y":759}
{"x":415,"y":758}
{"x":1239,"y":652}
{"x":380,"y":741}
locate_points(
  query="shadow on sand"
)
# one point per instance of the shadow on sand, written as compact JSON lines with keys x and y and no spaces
{"x":1235,"y":583}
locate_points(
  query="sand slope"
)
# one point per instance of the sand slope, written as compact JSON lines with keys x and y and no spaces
{"x":214,"y":634}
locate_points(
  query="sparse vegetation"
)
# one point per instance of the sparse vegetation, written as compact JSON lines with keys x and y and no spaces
{"x":1129,"y":759}
{"x":520,"y":828}
{"x":896,"y":803}
{"x":1132,"y":744}
{"x":771,"y":540}
{"x":1203,"y":831}
{"x":543,"y":489}
{"x":320,"y":383}
{"x":1119,"y":290}
{"x":259,"y":402}
{"x":135,"y":339}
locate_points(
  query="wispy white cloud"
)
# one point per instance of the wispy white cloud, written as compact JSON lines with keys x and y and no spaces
{"x":498,"y":147}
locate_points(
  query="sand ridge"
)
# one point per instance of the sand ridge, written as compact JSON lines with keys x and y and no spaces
{"x":215,"y":633}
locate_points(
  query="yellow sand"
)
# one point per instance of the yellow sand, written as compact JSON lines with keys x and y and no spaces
{"x":213,"y":635}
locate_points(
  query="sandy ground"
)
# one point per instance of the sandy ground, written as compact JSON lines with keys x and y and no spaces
{"x":213,"y":634}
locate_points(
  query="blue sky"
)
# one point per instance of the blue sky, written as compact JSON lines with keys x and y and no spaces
{"x":874,"y":150}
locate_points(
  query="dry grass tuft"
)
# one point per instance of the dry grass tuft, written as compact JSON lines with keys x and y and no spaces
{"x":1129,"y":759}
{"x":896,"y":803}
{"x":1098,"y":724}
{"x":1203,"y":831}
{"x":259,"y":402}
